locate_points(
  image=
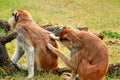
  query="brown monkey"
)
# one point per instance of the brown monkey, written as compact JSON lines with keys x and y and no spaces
{"x":89,"y":56}
{"x":32,"y":39}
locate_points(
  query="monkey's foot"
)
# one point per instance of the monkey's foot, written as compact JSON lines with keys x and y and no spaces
{"x":29,"y":76}
{"x":66,"y":76}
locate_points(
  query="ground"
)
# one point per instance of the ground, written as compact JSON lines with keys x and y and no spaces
{"x":97,"y":15}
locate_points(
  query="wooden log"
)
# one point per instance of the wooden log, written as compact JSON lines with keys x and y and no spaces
{"x":4,"y":24}
{"x":54,"y":29}
{"x":5,"y":61}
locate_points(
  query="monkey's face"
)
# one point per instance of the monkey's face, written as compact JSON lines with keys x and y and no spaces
{"x":69,"y":37}
{"x":66,"y":39}
{"x":17,"y":16}
{"x":13,"y":19}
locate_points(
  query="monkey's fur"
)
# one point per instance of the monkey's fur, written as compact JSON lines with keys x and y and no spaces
{"x":89,"y":56}
{"x":32,"y":39}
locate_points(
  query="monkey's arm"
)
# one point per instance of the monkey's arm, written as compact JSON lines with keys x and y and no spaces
{"x":18,"y":53}
{"x":61,"y":55}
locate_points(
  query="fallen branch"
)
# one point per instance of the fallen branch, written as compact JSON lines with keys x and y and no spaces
{"x":4,"y":25}
{"x":54,"y":29}
{"x":5,"y":61}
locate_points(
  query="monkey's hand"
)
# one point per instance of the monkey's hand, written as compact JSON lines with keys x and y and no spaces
{"x":52,"y":36}
{"x":51,"y":47}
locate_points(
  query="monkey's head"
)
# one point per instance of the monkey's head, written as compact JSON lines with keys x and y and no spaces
{"x":18,"y":16}
{"x":69,"y":37}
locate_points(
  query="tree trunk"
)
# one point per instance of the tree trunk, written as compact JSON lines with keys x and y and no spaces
{"x":4,"y":25}
{"x":5,"y":61}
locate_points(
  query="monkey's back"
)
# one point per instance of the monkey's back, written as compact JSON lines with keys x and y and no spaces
{"x":96,"y":53}
{"x":38,"y":37}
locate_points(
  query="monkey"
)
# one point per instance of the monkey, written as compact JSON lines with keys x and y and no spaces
{"x":88,"y":54}
{"x":32,"y":39}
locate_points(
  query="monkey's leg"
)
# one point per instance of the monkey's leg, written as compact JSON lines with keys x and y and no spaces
{"x":61,"y":55}
{"x":18,"y":53}
{"x":87,"y":68}
{"x":30,"y":61}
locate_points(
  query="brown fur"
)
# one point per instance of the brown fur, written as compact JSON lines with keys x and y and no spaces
{"x":38,"y":37}
{"x":89,"y":56}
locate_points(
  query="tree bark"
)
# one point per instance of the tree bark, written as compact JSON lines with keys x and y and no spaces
{"x":4,"y":25}
{"x":5,"y":61}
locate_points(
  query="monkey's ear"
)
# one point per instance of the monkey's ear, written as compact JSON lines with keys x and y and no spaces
{"x":16,"y":15}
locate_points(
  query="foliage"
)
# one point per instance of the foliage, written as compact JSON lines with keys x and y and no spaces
{"x":114,"y":73}
{"x":39,"y":75}
{"x":96,"y":14}
{"x":2,"y":32}
{"x":110,"y":34}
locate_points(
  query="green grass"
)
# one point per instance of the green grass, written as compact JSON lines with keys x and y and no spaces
{"x":97,"y":15}
{"x":2,"y":32}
